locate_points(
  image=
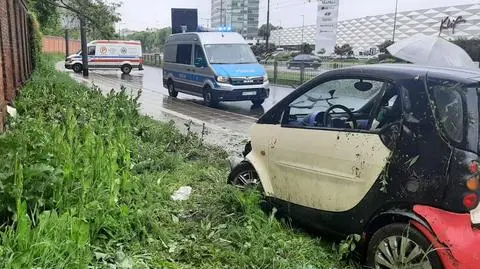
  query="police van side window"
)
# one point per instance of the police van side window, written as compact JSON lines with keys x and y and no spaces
{"x":171,"y":53}
{"x":184,"y":54}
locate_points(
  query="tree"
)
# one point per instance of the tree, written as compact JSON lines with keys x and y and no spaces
{"x":471,"y":46}
{"x":152,"y":40}
{"x":343,"y":50}
{"x":306,"y":48}
{"x":383,"y":47}
{"x":262,"y":31}
{"x":322,"y":51}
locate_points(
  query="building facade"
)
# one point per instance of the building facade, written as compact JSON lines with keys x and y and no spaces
{"x":365,"y":34}
{"x":241,"y":15}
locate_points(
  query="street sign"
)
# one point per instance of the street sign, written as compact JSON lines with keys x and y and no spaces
{"x":327,"y":20}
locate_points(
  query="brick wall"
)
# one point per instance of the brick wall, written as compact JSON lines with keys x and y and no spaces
{"x":54,"y":44}
{"x":15,"y":51}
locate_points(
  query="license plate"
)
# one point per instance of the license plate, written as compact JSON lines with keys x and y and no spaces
{"x":475,"y":215}
{"x":249,"y":93}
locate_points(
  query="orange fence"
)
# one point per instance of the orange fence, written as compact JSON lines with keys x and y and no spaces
{"x":54,"y":44}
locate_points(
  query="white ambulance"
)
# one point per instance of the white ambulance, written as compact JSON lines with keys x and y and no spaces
{"x":109,"y":54}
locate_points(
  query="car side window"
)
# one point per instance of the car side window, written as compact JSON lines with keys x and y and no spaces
{"x":91,"y":50}
{"x":342,"y":103}
{"x":184,"y":54}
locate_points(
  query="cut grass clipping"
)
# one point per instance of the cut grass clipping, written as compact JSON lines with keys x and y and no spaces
{"x":86,"y":181}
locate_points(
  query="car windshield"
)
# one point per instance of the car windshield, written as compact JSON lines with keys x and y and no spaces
{"x":230,"y":54}
{"x":304,"y":58}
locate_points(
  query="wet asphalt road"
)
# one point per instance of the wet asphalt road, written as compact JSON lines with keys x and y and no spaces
{"x":235,"y":116}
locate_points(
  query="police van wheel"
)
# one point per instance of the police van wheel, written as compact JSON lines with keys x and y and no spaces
{"x":126,"y":69}
{"x":77,"y":68}
{"x":171,"y":90}
{"x":208,"y":98}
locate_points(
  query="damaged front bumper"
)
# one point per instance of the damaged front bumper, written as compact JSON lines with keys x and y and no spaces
{"x":452,"y":235}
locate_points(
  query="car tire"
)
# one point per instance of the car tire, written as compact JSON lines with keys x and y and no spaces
{"x":244,"y":176}
{"x":391,"y":238}
{"x":208,"y":97}
{"x":171,"y":89}
{"x":77,"y":68}
{"x":258,"y":102}
{"x":126,"y":69}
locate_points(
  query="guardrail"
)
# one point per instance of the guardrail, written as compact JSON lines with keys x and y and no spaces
{"x":279,"y":72}
{"x":153,"y":59}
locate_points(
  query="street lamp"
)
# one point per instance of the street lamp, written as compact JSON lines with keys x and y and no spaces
{"x":303,"y":25}
{"x":395,"y":20}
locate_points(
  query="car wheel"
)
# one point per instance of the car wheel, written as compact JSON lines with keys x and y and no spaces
{"x":77,"y":68}
{"x":258,"y":102}
{"x":401,"y":246}
{"x":208,"y":97}
{"x":171,"y":90}
{"x":244,"y":176}
{"x":126,"y":69}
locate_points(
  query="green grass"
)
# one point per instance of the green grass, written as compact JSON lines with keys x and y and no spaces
{"x":86,"y":181}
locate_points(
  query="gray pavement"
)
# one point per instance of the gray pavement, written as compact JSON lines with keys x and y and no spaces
{"x":232,"y":117}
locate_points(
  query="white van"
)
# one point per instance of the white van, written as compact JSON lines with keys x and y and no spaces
{"x":109,"y":54}
{"x":218,"y":66}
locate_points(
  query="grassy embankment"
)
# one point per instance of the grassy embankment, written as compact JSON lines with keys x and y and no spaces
{"x":86,"y":181}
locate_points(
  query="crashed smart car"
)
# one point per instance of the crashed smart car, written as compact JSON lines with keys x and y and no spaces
{"x":388,"y":152}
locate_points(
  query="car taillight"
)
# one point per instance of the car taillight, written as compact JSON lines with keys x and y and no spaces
{"x":473,"y":167}
{"x":470,"y":201}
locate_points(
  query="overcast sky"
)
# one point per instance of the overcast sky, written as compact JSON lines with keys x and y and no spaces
{"x":140,"y":14}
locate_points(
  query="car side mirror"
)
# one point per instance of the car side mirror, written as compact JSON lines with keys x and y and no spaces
{"x":200,"y":62}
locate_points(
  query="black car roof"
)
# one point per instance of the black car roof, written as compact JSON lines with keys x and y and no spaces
{"x":415,"y":70}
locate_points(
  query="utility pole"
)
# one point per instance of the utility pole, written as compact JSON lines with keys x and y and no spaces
{"x":303,"y":26}
{"x":221,"y":13}
{"x":83,"y":34}
{"x":268,"y":24}
{"x":395,"y":20}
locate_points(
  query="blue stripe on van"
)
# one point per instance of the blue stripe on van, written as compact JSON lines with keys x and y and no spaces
{"x":107,"y":57}
{"x":189,"y":77}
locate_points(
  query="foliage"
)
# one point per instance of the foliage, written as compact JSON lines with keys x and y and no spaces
{"x":152,"y":40}
{"x":322,"y":51}
{"x":261,"y":49}
{"x":263,"y":31}
{"x":471,"y":46}
{"x":383,"y":47}
{"x":86,"y":183}
{"x":343,"y":50}
{"x":306,"y":48}
{"x":101,"y":16}
{"x":35,"y":38}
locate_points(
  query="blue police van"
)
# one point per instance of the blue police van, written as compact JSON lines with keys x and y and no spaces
{"x":217,"y":66}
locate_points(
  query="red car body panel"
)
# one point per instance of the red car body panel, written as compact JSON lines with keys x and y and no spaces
{"x":452,"y":235}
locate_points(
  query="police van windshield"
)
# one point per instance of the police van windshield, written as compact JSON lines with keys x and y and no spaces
{"x":230,"y":54}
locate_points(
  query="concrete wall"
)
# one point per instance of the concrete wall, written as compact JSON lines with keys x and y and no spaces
{"x":16,"y":59}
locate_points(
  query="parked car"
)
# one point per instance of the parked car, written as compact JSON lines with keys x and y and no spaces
{"x":388,"y":152}
{"x":109,"y":54}
{"x":305,"y":61}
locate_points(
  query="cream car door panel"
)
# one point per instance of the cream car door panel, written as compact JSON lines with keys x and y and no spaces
{"x":320,"y":168}
{"x":261,"y":137}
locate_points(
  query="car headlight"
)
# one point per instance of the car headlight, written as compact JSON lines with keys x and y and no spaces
{"x":265,"y":78}
{"x":223,"y":79}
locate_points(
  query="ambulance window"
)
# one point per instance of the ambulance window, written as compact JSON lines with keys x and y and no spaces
{"x":184,"y":54}
{"x":91,"y":50}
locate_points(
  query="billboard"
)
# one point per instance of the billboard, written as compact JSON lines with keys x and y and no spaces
{"x":184,"y":19}
{"x":327,"y":21}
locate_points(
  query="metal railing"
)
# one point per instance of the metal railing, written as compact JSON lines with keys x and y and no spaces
{"x":281,"y":73}
{"x":153,"y":59}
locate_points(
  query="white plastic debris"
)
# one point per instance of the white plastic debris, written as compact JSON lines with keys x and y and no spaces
{"x":11,"y":111}
{"x":182,"y":194}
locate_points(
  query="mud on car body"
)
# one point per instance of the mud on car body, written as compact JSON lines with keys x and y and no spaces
{"x":389,"y":152}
